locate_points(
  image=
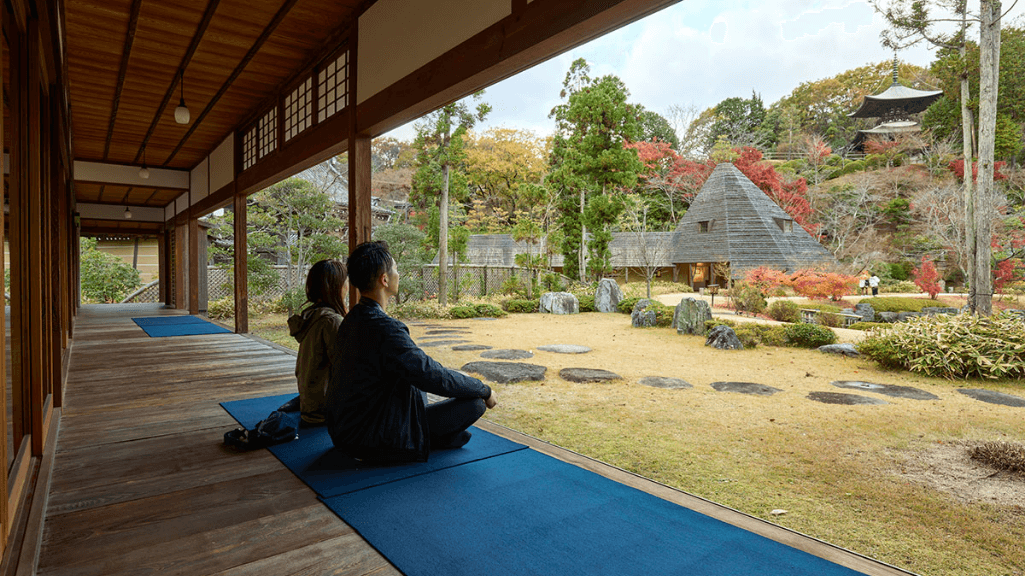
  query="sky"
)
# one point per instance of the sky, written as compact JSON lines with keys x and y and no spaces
{"x":700,"y":52}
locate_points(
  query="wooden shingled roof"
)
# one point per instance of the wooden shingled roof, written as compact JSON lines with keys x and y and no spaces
{"x":744,"y":227}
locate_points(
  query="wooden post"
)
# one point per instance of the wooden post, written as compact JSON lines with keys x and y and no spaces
{"x":4,"y":528}
{"x":179,"y":264}
{"x":241,"y":266}
{"x":37,"y":304}
{"x":162,"y":266}
{"x":194,"y":259}
{"x":359,"y":190}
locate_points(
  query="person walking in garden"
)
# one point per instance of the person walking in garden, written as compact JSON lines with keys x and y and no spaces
{"x":316,"y":329}
{"x":873,"y":283}
{"x":376,"y":407}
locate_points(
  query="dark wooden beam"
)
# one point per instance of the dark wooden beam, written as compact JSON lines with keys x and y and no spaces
{"x":127,"y":193}
{"x":126,"y":53}
{"x":186,"y":59}
{"x":194,"y":260}
{"x":150,"y":197}
{"x":278,"y":18}
{"x":241,"y":251}
{"x":20,"y":11}
{"x":5,"y":399}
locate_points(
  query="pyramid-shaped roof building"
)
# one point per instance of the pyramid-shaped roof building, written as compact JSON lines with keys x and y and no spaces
{"x":732,"y":220}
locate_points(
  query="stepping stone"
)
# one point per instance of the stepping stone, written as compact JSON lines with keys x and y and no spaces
{"x":448,"y":331}
{"x":470,"y":347}
{"x":484,"y":318}
{"x":435,"y":343}
{"x":887,"y":389}
{"x":506,"y":372}
{"x":843,"y":399}
{"x":588,"y":375}
{"x":994,"y":397}
{"x":663,"y":382}
{"x":841,"y":349}
{"x":745,"y":388}
{"x":505,"y":354}
{"x":565,"y":348}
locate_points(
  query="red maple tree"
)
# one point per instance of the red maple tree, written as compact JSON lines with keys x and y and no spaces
{"x":927,"y":278}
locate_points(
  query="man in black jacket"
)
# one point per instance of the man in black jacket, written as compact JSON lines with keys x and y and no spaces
{"x":376,"y":401}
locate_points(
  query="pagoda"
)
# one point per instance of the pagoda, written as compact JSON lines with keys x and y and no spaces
{"x":895,"y":108}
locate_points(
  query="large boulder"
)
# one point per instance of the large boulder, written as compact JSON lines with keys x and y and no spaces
{"x":641,"y":317}
{"x":690,"y":316}
{"x":889,"y":317}
{"x":607,"y":296}
{"x":724,"y":338}
{"x":559,"y":303}
{"x":866,"y":311}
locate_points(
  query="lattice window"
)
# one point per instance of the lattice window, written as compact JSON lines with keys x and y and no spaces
{"x":249,"y":148}
{"x":269,"y":132}
{"x":332,"y":87}
{"x":299,"y":109}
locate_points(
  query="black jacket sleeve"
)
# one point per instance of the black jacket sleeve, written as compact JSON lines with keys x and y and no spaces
{"x":418,"y":369}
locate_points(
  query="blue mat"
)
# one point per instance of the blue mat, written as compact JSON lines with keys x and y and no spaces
{"x":315,"y":461}
{"x":527,"y":513}
{"x":162,"y":326}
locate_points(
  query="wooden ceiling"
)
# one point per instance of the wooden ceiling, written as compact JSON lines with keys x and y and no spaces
{"x":124,"y":64}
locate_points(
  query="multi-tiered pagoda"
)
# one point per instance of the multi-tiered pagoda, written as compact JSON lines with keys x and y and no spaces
{"x":896,"y":108}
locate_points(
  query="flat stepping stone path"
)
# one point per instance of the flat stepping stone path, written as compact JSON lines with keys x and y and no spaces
{"x":506,"y":372}
{"x":565,"y":348}
{"x":887,"y":389}
{"x":588,"y":375}
{"x":664,"y":382}
{"x":506,"y":354}
{"x":994,"y":397}
{"x":844,"y":399}
{"x":745,"y":388}
{"x":449,"y":331}
{"x":470,"y":347}
{"x":435,"y":343}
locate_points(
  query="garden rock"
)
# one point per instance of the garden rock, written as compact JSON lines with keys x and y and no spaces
{"x":889,"y":317}
{"x":663,"y":382}
{"x":902,"y":316}
{"x":559,"y":303}
{"x":843,"y":399}
{"x":887,"y":389}
{"x":506,"y":372}
{"x":471,"y":348}
{"x":456,"y":331}
{"x":565,"y":348}
{"x":435,"y":343}
{"x":588,"y":375}
{"x":992,"y":397}
{"x":935,"y":310}
{"x":842,"y":349}
{"x":745,"y":388}
{"x":690,"y":316}
{"x":866,"y":311}
{"x":641,"y":317}
{"x":724,"y":338}
{"x":507,"y":354}
{"x":607,"y":296}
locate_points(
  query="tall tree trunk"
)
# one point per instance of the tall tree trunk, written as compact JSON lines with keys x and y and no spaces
{"x":582,"y":265}
{"x":443,"y":240}
{"x":989,"y":74}
{"x":968,"y":152}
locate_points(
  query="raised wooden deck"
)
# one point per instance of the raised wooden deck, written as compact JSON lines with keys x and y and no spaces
{"x":141,"y":483}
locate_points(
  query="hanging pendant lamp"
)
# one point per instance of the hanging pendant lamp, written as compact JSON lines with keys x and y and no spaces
{"x":181,"y":113}
{"x":128,"y":213}
{"x":144,"y":171}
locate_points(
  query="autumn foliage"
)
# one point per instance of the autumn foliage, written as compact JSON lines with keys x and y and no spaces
{"x":957,"y":167}
{"x":927,"y":278}
{"x":813,"y":284}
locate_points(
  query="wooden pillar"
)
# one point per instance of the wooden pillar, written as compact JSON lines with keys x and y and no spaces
{"x":241,"y":266}
{"x":35,"y":310}
{"x":4,"y":527}
{"x":359,"y":190}
{"x":179,"y":263}
{"x":194,"y":261}
{"x":162,"y":266}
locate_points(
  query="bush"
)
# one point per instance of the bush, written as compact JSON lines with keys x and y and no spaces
{"x":513,"y":285}
{"x":772,"y":335}
{"x":221,"y":308}
{"x":753,"y":332}
{"x":105,"y":277}
{"x":962,"y":346}
{"x":868,"y":325}
{"x":291,"y":301}
{"x":551,"y":282}
{"x":663,"y":314}
{"x":784,"y":311}
{"x":425,"y":309}
{"x":522,"y":306}
{"x":586,"y":302}
{"x":902,"y":287}
{"x":747,"y":298}
{"x":748,"y":336}
{"x":855,"y":166}
{"x":898,"y":304}
{"x":831,"y":319}
{"x":626,"y":305}
{"x":476,"y":311}
{"x":808,"y":335}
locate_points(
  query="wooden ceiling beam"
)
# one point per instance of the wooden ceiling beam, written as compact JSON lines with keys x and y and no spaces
{"x":126,"y":52}
{"x":186,"y":59}
{"x":128,"y":192}
{"x":274,"y":23}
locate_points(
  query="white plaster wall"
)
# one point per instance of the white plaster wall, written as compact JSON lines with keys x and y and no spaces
{"x":169,"y":211}
{"x":222,"y":164}
{"x":200,"y":181}
{"x":112,"y":212}
{"x":396,"y":37}
{"x":181,"y":204}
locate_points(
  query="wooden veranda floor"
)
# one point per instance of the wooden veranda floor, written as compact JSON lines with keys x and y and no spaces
{"x":141,"y":483}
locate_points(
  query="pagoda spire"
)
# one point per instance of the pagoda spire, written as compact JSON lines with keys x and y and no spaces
{"x":895,"y":67}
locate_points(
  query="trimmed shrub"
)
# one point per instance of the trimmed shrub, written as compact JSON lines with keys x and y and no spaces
{"x":784,"y":311}
{"x":831,"y":319}
{"x":855,"y":166}
{"x":476,"y":311}
{"x":868,"y":325}
{"x":586,"y":302}
{"x":808,"y":335}
{"x":902,"y":287}
{"x":962,"y":346}
{"x":522,"y":306}
{"x":772,"y":335}
{"x":748,"y":336}
{"x":747,"y":298}
{"x":425,"y":309}
{"x":663,"y":314}
{"x":898,"y":303}
{"x":626,"y":305}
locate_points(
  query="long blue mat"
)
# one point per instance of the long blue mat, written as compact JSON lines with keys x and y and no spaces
{"x":163,"y":326}
{"x":527,"y":513}
{"x":315,"y":461}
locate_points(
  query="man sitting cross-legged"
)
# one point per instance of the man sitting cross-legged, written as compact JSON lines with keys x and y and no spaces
{"x":376,"y":399}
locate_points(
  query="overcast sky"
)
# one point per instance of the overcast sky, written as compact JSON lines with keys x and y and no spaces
{"x":699,"y":52}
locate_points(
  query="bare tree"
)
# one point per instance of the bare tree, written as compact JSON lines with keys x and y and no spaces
{"x":653,"y":248}
{"x":849,"y":213}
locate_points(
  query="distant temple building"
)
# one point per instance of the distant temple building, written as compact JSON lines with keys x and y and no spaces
{"x":896,"y":108}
